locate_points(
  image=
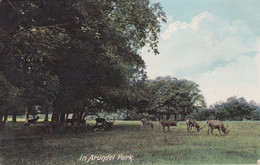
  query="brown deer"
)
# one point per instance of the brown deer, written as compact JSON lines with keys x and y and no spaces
{"x":168,"y":123}
{"x":146,"y":122}
{"x":193,"y":123}
{"x":216,"y":124}
{"x":104,"y":122}
{"x":100,"y":120}
{"x":33,"y":120}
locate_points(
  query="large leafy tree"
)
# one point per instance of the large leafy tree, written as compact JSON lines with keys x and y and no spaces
{"x":72,"y":53}
{"x":166,"y":97}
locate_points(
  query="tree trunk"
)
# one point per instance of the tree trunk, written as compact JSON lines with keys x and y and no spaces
{"x":183,"y":117}
{"x":62,"y":116}
{"x":14,"y":118}
{"x":81,"y":115}
{"x":85,"y":114}
{"x":46,"y":118}
{"x":175,"y":117}
{"x":67,"y":116}
{"x":75,"y":115}
{"x":1,"y":120}
{"x":168,"y":116}
{"x":5,"y":119}
{"x":55,"y":117}
{"x":26,"y":119}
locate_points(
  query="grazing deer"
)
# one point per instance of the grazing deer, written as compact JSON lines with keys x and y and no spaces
{"x":31,"y":121}
{"x":104,"y":122}
{"x":100,"y":120}
{"x":216,"y":124}
{"x":109,"y":123}
{"x":168,"y":123}
{"x":193,"y":123}
{"x":146,"y":122}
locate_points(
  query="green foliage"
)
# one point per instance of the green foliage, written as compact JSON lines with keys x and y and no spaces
{"x":9,"y":96}
{"x":235,"y":109}
{"x":70,"y":54}
{"x":170,"y":96}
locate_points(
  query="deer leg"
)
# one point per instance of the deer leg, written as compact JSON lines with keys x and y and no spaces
{"x":208,"y":130}
{"x":212,"y":131}
{"x":141,"y":125}
{"x":168,"y":128}
{"x":163,"y":128}
{"x":219,"y":130}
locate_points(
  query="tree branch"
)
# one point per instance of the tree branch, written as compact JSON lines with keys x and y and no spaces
{"x":11,"y":4}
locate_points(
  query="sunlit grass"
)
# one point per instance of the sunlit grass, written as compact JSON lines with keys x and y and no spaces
{"x":30,"y":145}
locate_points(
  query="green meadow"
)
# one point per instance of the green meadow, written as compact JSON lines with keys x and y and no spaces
{"x":31,"y":145}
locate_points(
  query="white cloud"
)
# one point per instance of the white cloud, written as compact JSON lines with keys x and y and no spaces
{"x":239,"y":78}
{"x":213,"y":52}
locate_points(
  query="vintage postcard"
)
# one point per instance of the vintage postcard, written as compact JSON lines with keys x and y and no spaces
{"x":129,"y":82}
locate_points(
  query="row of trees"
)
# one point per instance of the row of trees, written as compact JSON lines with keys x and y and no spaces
{"x":233,"y":108}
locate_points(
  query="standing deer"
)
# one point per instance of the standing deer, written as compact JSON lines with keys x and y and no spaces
{"x":216,"y":124}
{"x":168,"y":123}
{"x":146,"y":122}
{"x":193,"y":123}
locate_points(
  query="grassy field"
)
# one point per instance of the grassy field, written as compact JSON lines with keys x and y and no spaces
{"x":30,"y":145}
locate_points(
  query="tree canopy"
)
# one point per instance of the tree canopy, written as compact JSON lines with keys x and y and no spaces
{"x":167,"y":96}
{"x":69,"y":53}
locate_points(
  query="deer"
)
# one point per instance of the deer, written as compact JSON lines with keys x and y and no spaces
{"x":106,"y":124}
{"x":217,"y":124}
{"x":100,"y":120}
{"x":168,"y":123}
{"x":31,"y":121}
{"x":146,"y":122}
{"x":193,"y":123}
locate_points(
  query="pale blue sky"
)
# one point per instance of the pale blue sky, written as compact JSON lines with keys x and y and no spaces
{"x":215,"y":43}
{"x":184,"y":10}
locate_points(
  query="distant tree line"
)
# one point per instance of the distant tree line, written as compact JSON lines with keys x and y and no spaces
{"x":233,"y":108}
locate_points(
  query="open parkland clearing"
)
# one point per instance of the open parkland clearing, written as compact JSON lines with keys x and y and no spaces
{"x":31,"y":145}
